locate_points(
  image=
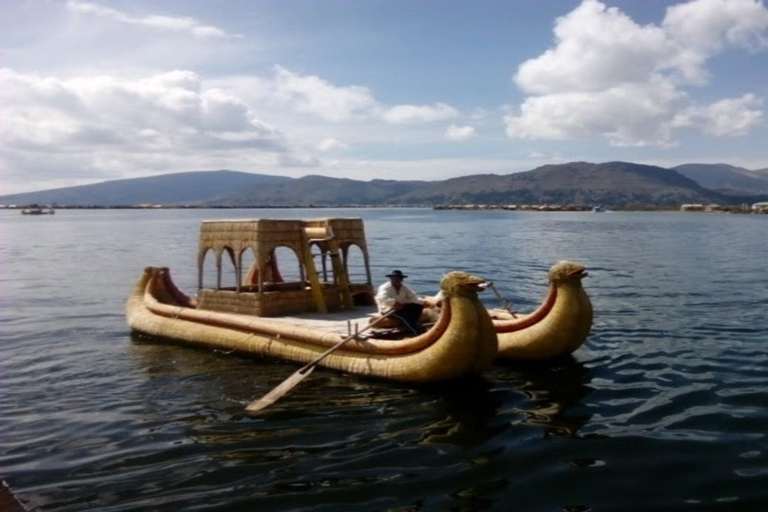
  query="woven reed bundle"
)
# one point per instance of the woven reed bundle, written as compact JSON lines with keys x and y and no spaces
{"x":268,"y":304}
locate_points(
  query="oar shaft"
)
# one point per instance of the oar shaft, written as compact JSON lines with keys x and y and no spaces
{"x":303,"y":372}
{"x":345,"y":340}
{"x":504,"y":303}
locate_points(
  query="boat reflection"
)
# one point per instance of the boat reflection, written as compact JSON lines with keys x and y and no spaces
{"x":465,"y":412}
{"x":553,"y":392}
{"x":473,"y":410}
{"x":206,"y":388}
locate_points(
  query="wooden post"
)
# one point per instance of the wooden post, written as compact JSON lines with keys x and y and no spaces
{"x":323,"y":257}
{"x":238,"y":270}
{"x":340,"y":273}
{"x":261,"y":264}
{"x":218,"y":268}
{"x":367,"y":264}
{"x":314,"y":281}
{"x":200,"y":261}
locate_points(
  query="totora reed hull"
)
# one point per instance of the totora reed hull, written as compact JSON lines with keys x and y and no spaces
{"x":463,"y":340}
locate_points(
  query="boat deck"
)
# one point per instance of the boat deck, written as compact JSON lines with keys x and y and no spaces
{"x":336,"y":321}
{"x":343,"y":321}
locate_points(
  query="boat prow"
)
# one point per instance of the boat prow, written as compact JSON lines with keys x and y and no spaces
{"x":463,"y":340}
{"x":559,"y":326}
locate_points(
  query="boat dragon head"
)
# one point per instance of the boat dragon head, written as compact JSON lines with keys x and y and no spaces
{"x":461,"y":283}
{"x":565,"y":271}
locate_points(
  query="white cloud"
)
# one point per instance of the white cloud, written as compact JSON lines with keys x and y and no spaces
{"x":173,"y":106}
{"x":109,"y":126}
{"x":310,"y":94}
{"x":83,"y":124}
{"x":628,"y":115}
{"x":459,"y":133}
{"x":404,"y":114}
{"x":597,"y":48}
{"x":331,"y":144}
{"x":168,"y":23}
{"x":708,"y":26}
{"x":729,"y":117}
{"x":610,"y":77}
{"x":313,"y":95}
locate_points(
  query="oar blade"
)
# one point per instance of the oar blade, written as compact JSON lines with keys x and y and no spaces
{"x":277,"y":393}
{"x":292,"y":381}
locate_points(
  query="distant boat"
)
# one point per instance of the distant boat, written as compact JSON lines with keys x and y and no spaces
{"x":36,"y":210}
{"x":597,"y":209}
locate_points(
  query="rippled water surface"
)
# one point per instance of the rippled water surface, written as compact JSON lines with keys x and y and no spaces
{"x":664,"y":408}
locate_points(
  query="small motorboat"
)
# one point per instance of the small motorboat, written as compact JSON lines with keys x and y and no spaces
{"x":37,"y":210}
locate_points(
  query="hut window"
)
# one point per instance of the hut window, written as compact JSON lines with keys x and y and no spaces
{"x":355,"y":264}
{"x":250,"y":274}
{"x":321,"y":257}
{"x":210,"y":272}
{"x":228,"y":269}
{"x":288,"y":265}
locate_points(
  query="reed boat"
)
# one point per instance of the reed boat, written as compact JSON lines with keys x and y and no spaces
{"x":267,"y":314}
{"x":559,"y":325}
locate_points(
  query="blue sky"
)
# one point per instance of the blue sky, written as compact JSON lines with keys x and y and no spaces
{"x":99,"y":90}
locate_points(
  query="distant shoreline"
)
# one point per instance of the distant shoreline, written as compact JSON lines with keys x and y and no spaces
{"x":467,"y":208}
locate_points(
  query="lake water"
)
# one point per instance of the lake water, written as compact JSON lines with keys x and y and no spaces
{"x":664,"y":408}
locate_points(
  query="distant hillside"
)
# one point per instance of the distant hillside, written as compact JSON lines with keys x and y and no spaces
{"x":321,"y":190}
{"x":614,"y":184}
{"x":610,"y":184}
{"x":725,"y":177}
{"x":186,"y":188}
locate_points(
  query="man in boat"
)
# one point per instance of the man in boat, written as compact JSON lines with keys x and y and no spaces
{"x":406,"y":304}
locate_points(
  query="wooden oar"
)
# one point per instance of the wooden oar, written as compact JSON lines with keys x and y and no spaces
{"x":504,"y":303}
{"x":303,"y":372}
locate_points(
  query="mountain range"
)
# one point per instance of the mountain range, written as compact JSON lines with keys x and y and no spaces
{"x":614,"y":184}
{"x":726,"y":178}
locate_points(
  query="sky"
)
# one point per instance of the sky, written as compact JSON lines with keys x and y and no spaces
{"x":393,"y":89}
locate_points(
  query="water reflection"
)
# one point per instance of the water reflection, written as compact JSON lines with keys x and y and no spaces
{"x":464,"y":412}
{"x":357,"y":435}
{"x":554,"y":391}
{"x":459,"y":412}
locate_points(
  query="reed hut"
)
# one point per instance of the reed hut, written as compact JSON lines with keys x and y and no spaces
{"x":321,"y":246}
